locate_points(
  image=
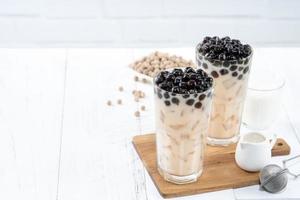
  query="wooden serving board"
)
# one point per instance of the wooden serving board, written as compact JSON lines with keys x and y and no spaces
{"x":220,"y":170}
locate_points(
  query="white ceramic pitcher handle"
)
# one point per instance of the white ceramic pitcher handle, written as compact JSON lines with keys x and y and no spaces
{"x":273,"y":140}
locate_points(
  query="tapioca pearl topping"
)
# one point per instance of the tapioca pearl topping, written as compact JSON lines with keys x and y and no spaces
{"x":166,"y":95}
{"x":240,"y":76}
{"x":246,"y":70}
{"x":183,"y":81}
{"x":168,"y":103}
{"x":233,"y":62}
{"x":201,"y":97}
{"x":224,"y":71}
{"x":199,"y":63}
{"x":190,"y":102}
{"x":241,"y":68}
{"x":159,"y":95}
{"x":214,"y":74}
{"x":209,"y":94}
{"x":233,"y":68}
{"x":198,"y":105}
{"x":217,"y":63}
{"x":205,"y":66}
{"x":234,"y":74}
{"x":175,"y":100}
{"x":224,"y":48}
{"x":226,"y":64}
{"x":186,"y":96}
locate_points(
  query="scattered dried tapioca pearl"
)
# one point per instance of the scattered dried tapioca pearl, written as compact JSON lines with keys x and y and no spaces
{"x":136,"y":78}
{"x":137,"y":113}
{"x":121,"y":88}
{"x":143,"y":108}
{"x":109,"y":103}
{"x":144,"y":80}
{"x":119,"y":101}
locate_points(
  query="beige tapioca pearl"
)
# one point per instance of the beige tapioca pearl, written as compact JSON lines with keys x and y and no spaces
{"x":137,"y":113}
{"x":120,"y":88}
{"x":136,"y":78}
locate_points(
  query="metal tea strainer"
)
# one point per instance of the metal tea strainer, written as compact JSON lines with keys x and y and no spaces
{"x":273,"y":178}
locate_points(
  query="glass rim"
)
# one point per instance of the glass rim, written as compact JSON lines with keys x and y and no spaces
{"x":281,"y":85}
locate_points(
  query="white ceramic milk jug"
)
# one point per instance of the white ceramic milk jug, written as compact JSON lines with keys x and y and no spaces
{"x":253,"y":151}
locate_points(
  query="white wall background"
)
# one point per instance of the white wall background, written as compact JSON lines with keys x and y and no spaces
{"x":123,"y":23}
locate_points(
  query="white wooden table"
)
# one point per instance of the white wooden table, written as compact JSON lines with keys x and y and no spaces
{"x":59,"y":139}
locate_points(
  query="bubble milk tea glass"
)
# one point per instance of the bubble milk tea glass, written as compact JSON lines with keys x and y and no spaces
{"x":228,"y":62}
{"x":182,"y":110}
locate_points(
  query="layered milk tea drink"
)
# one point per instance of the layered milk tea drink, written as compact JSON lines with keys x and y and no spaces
{"x":228,"y":61}
{"x":182,"y":110}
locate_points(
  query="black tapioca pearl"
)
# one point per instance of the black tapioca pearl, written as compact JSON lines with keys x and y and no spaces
{"x":240,"y":61}
{"x":173,"y":94}
{"x":241,"y":68}
{"x":198,"y":105}
{"x":167,"y":103}
{"x":186,"y":96}
{"x":233,"y":62}
{"x":223,"y":71}
{"x":233,"y":68}
{"x":205,"y":66}
{"x":201,"y":97}
{"x":175,"y":100}
{"x":199,"y":63}
{"x":190,"y":102}
{"x":166,"y":95}
{"x":195,"y":95}
{"x":226,"y":64}
{"x":214,"y":74}
{"x":209,"y":94}
{"x":217,"y":63}
{"x":240,"y":76}
{"x":159,"y":95}
{"x":246,"y":70}
{"x":234,"y":74}
{"x":246,"y":61}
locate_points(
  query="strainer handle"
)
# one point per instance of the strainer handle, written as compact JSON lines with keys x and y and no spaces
{"x":285,"y":167}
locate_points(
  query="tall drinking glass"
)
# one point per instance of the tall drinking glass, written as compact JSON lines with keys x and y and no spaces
{"x":263,"y":102}
{"x":181,"y":129}
{"x":230,"y":87}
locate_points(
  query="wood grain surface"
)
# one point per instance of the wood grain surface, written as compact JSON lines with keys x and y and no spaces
{"x":220,"y":170}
